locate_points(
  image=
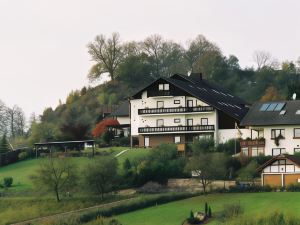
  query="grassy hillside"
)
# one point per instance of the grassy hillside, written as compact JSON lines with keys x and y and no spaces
{"x":255,"y":204}
{"x":21,"y":171}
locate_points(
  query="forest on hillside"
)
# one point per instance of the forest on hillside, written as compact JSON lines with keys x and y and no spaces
{"x":131,"y":65}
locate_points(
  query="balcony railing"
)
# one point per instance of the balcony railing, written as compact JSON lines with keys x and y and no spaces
{"x":176,"y":110}
{"x":249,"y":143}
{"x":176,"y":128}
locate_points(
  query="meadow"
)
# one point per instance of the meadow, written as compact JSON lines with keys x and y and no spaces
{"x":255,"y":205}
{"x":21,"y":171}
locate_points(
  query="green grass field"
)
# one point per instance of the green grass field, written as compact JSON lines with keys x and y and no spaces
{"x":254,"y":204}
{"x":21,"y":171}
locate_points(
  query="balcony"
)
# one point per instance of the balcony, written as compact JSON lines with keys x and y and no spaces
{"x":254,"y":143}
{"x":175,"y":110}
{"x":168,"y":129}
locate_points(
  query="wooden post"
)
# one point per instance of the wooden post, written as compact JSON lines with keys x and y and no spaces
{"x":35,"y":151}
{"x":93,"y":149}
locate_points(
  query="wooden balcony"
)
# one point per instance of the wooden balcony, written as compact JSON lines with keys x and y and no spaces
{"x":176,"y":110}
{"x":255,"y":143}
{"x":169,"y":129}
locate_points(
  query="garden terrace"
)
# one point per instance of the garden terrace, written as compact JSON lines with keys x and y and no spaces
{"x":64,"y":145}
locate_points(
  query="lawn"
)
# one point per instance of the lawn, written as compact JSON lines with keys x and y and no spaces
{"x":254,"y":204}
{"x":21,"y":171}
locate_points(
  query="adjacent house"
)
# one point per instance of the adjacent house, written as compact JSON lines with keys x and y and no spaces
{"x":181,"y":109}
{"x":281,"y":170}
{"x":121,"y":114}
{"x":274,"y":129}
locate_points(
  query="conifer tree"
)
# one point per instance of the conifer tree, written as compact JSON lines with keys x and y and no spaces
{"x":4,"y":146}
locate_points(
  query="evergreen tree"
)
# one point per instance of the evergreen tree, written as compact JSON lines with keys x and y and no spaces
{"x":209,"y":212}
{"x":4,"y":146}
{"x":206,"y":208}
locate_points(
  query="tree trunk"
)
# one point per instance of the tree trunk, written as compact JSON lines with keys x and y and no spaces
{"x":57,"y":195}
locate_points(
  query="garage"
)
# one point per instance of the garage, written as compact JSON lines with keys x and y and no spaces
{"x":272,"y":180}
{"x":281,"y":170}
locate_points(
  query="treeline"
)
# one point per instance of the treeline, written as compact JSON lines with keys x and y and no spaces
{"x":131,"y":65}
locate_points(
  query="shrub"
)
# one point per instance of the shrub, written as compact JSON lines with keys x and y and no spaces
{"x":232,"y":210}
{"x":209,"y":212}
{"x":272,"y":219}
{"x":132,"y":205}
{"x":293,"y":187}
{"x":7,"y":181}
{"x":151,"y":187}
{"x":23,"y":156}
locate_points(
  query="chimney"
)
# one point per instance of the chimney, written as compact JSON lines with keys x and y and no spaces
{"x":197,"y":76}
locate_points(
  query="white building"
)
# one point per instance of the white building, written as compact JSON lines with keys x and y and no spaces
{"x":274,"y":129}
{"x":183,"y":108}
{"x":281,"y":170}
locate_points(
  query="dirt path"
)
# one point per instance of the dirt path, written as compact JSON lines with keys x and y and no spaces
{"x":26,"y":222}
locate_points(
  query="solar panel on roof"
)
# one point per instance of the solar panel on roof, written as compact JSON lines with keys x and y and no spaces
{"x":264,"y":107}
{"x":279,"y":106}
{"x":272,"y":106}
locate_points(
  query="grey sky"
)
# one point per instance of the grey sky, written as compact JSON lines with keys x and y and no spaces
{"x":43,"y":53}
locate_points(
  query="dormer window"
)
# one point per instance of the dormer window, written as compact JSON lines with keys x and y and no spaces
{"x":163,"y":87}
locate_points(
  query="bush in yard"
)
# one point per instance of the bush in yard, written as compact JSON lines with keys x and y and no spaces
{"x":232,"y":210}
{"x":100,"y":175}
{"x":151,"y":187}
{"x":7,"y":182}
{"x":293,"y":187}
{"x":275,"y":218}
{"x":23,"y":156}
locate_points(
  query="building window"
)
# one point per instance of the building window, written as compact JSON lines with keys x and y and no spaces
{"x":278,"y":151}
{"x":189,"y":122}
{"x":160,"y":104}
{"x":177,"y":139}
{"x":189,"y":103}
{"x":297,"y":133}
{"x":256,"y":151}
{"x":176,"y":101}
{"x":277,"y":133}
{"x":256,"y":134}
{"x":159,"y":122}
{"x":204,"y":121}
{"x":163,"y":87}
{"x":245,"y":151}
{"x":177,"y":120}
{"x":296,"y":150}
{"x":205,"y":136}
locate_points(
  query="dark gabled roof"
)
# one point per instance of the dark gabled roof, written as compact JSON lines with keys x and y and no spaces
{"x":256,"y":117}
{"x":294,"y":158}
{"x":209,"y":93}
{"x":122,"y":110}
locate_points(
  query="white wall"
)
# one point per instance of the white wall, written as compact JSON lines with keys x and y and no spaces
{"x":289,"y":143}
{"x":150,"y":120}
{"x":227,"y":134}
{"x":123,"y":120}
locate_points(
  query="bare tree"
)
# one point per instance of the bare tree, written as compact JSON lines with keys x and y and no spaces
{"x":264,"y":59}
{"x":56,"y":175}
{"x":107,"y":53}
{"x":166,"y":56}
{"x":3,"y":118}
{"x":16,"y":121}
{"x":197,"y":48}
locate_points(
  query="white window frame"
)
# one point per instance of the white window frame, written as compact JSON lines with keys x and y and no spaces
{"x":177,"y":139}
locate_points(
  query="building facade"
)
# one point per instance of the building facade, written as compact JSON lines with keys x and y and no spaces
{"x":274,"y":129}
{"x":182,"y":109}
{"x":281,"y":170}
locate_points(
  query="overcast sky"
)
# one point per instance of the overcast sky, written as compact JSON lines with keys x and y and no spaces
{"x":43,"y":54}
